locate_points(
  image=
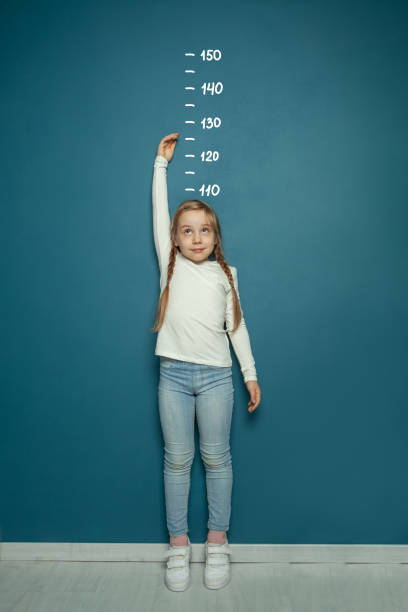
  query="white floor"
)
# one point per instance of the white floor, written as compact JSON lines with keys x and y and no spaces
{"x":53,"y":586}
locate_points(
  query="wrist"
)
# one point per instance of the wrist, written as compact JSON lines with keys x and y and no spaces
{"x":160,"y":161}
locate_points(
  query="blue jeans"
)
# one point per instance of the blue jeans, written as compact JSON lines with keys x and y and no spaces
{"x":187,"y":388}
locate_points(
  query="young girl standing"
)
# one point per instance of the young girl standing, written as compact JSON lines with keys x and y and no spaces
{"x":197,"y":296}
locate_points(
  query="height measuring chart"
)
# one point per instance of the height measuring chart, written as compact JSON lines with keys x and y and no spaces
{"x":210,"y":123}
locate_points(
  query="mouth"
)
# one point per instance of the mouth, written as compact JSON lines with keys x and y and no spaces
{"x":198,"y":250}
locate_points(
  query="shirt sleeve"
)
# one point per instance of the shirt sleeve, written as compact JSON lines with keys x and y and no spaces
{"x":240,"y":338}
{"x":161,"y":216}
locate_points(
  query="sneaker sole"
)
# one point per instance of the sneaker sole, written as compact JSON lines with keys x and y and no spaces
{"x":180,"y":588}
{"x":218,"y":586}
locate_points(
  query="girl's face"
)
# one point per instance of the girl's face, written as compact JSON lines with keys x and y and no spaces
{"x":194,"y":232}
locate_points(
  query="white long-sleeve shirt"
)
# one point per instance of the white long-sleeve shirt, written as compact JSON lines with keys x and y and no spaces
{"x":200,"y":299}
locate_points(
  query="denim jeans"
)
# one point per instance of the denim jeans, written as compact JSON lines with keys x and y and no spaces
{"x":187,"y":389}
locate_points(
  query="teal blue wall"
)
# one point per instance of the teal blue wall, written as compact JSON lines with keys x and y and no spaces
{"x":313,"y":209}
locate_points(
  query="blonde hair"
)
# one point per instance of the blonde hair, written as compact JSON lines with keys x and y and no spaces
{"x":219,"y":256}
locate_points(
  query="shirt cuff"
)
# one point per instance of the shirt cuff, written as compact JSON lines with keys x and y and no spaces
{"x":249,"y":373}
{"x":160,"y":162}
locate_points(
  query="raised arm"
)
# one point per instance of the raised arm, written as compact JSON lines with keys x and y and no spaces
{"x":240,"y":338}
{"x":161,"y":216}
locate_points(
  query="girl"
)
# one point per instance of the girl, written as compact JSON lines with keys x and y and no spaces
{"x":197,"y":296}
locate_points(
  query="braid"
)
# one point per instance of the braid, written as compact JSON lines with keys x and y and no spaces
{"x":164,"y":298}
{"x":219,"y":256}
{"x":172,"y":263}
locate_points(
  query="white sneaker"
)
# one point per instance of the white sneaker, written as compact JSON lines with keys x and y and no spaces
{"x":177,"y":577}
{"x":217,"y":572}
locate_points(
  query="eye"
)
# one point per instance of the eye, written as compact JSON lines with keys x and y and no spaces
{"x":205,"y":229}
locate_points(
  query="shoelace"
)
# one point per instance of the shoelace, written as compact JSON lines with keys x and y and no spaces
{"x":177,"y":556}
{"x":216,"y":555}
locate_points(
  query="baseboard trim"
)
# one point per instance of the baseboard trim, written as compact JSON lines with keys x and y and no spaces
{"x":241,"y":553}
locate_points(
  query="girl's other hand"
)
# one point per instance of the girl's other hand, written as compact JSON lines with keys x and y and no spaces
{"x":167,"y":146}
{"x":255,"y":393}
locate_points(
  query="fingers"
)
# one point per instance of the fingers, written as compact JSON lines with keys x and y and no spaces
{"x":167,"y":145}
{"x":170,"y":137}
{"x":255,"y":400}
{"x":254,"y":406}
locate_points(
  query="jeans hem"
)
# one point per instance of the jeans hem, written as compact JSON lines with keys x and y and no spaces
{"x":218,"y":528}
{"x":173,"y":535}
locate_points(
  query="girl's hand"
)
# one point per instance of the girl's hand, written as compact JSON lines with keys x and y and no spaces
{"x":255,"y":393}
{"x":167,"y":145}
